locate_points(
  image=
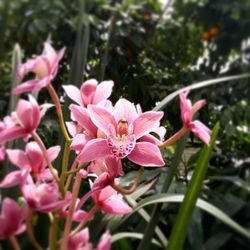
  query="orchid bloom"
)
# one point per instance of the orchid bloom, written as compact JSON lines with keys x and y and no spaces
{"x":22,"y":122}
{"x":90,"y":92}
{"x":11,"y":219}
{"x":31,"y":161}
{"x":122,"y":131}
{"x":109,"y":201}
{"x":44,"y":197}
{"x":81,"y":241}
{"x":45,"y":68}
{"x":187,"y":113}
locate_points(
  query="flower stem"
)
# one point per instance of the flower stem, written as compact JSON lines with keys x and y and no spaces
{"x":30,"y":232}
{"x":133,"y":187}
{"x":65,"y":161}
{"x":53,"y":234}
{"x":67,"y":228}
{"x":14,"y":243}
{"x":174,"y":138}
{"x":57,"y":103}
{"x":42,"y":147}
{"x":73,"y":167}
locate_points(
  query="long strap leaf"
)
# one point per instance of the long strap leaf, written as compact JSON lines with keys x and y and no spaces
{"x":197,"y":85}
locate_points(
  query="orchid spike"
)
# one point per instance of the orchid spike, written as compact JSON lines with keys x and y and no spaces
{"x":45,"y":68}
{"x":123,"y":132}
{"x":11,"y":219}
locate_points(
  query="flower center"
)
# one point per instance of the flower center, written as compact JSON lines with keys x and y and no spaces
{"x":120,"y":141}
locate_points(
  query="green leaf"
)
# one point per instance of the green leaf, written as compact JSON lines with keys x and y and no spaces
{"x":123,"y":235}
{"x":202,"y":204}
{"x":197,"y":85}
{"x":184,"y":216}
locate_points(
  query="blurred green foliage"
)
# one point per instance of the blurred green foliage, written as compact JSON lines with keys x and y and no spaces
{"x":150,"y":49}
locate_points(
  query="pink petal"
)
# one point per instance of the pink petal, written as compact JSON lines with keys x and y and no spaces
{"x":73,"y":93}
{"x":25,"y":87}
{"x":121,"y":148}
{"x":93,"y":150}
{"x":87,"y":90}
{"x":198,"y":105}
{"x":152,"y":139}
{"x":201,"y":131}
{"x":18,"y":158}
{"x":103,"y":91}
{"x":185,"y":105}
{"x":11,"y":134}
{"x":36,"y":113}
{"x":146,"y":154}
{"x":14,"y":178}
{"x":2,"y":153}
{"x":81,"y":115}
{"x":105,"y":243}
{"x":125,"y":109}
{"x":72,"y":128}
{"x":53,"y":152}
{"x":115,"y":205}
{"x":35,"y":156}
{"x":24,"y":113}
{"x":78,"y":142}
{"x":146,"y":122}
{"x":101,"y":118}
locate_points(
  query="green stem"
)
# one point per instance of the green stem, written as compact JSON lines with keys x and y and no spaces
{"x":57,"y":103}
{"x":67,"y":227}
{"x":14,"y":243}
{"x":53,"y":233}
{"x":148,"y":233}
{"x":65,"y":161}
{"x":30,"y":231}
{"x":184,"y":216}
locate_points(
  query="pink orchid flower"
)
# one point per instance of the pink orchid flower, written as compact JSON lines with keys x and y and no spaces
{"x":81,"y":241}
{"x":90,"y":92}
{"x":45,"y":68}
{"x":44,"y":197}
{"x":22,"y":122}
{"x":109,"y":201}
{"x":11,"y":219}
{"x":30,"y":161}
{"x":123,"y":129}
{"x":187,"y":113}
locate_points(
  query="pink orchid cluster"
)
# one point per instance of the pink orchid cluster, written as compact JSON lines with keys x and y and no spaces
{"x":100,"y":135}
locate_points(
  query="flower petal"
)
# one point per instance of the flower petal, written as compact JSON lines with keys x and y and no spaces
{"x":18,"y":158}
{"x":25,"y":87}
{"x":87,"y":90}
{"x":146,"y":122}
{"x":93,"y":150}
{"x":101,"y":118}
{"x":146,"y":154}
{"x":14,"y":178}
{"x":73,"y":93}
{"x":82,"y":116}
{"x":103,"y":91}
{"x":12,"y":134}
{"x":125,"y":109}
{"x":201,"y":131}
